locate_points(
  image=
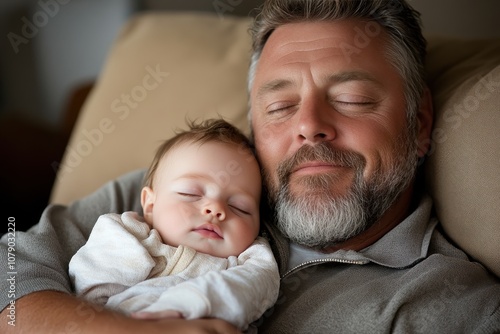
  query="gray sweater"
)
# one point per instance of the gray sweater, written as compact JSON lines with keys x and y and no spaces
{"x":410,"y":281}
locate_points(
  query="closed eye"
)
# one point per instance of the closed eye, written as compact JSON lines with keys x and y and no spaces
{"x":352,"y":100}
{"x":239,"y":209}
{"x":353,"y":106}
{"x":354,"y":103}
{"x":188,"y":195}
{"x":281,"y":108}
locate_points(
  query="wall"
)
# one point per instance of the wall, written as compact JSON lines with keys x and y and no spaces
{"x":220,"y":7}
{"x":460,"y":18}
{"x":50,"y":46}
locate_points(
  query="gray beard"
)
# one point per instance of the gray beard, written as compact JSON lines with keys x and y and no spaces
{"x":318,"y":217}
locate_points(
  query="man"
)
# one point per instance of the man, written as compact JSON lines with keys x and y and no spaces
{"x":338,"y":122}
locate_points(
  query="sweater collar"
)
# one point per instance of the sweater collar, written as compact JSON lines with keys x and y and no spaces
{"x":408,"y":242}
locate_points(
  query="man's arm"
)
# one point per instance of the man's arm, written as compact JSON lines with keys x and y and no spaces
{"x":57,"y":312}
{"x":40,"y":256}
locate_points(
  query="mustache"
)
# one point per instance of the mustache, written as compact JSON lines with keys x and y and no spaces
{"x":322,"y":152}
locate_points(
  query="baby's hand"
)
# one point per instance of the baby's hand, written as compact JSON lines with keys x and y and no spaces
{"x":167,"y":314}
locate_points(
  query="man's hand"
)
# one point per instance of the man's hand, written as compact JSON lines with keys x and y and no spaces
{"x":57,"y":312}
{"x":167,"y":314}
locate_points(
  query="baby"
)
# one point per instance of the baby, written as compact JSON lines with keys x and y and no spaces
{"x":195,"y":251}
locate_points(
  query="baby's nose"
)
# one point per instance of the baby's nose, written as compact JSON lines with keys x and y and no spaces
{"x":216,"y":211}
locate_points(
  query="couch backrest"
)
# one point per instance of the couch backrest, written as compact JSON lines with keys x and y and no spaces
{"x":463,"y":167}
{"x":166,"y":67}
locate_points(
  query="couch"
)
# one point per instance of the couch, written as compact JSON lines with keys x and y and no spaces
{"x":166,"y":67}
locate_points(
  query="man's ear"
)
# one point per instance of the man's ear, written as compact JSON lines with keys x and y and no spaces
{"x":425,"y":118}
{"x":147,"y":202}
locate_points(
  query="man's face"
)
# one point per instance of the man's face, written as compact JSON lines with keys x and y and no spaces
{"x":329,"y":122}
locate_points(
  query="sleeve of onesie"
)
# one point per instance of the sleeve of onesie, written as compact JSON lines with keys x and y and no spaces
{"x":239,"y":295}
{"x":113,"y":258}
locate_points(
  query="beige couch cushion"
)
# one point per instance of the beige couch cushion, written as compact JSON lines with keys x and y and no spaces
{"x":463,"y":169}
{"x":165,"y":67}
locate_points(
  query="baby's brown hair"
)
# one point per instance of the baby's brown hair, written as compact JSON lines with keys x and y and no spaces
{"x":210,"y":130}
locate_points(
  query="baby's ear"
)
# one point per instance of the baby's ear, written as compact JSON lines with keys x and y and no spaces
{"x":147,"y":202}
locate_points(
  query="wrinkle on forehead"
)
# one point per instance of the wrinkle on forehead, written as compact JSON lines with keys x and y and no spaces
{"x":302,"y":56}
{"x":301,"y":46}
{"x":309,"y":45}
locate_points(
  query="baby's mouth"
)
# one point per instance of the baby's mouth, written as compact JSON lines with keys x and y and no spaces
{"x":209,"y":231}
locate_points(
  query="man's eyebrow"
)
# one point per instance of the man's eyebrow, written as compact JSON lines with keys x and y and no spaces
{"x":279,"y":84}
{"x":273,"y":86}
{"x":351,"y":76}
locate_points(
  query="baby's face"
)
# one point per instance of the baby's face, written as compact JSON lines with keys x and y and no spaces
{"x":206,"y":197}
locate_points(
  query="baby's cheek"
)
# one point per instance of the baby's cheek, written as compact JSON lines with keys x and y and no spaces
{"x":186,"y":213}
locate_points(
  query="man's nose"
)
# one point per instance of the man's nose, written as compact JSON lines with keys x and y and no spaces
{"x":214,"y":210}
{"x":315,"y":122}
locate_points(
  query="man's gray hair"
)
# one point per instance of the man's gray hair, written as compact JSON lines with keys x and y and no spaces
{"x":406,"y":50}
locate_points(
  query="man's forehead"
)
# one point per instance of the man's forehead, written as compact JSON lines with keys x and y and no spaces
{"x":319,"y":41}
{"x":311,"y":34}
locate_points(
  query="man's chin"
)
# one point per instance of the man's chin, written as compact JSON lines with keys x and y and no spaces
{"x":304,"y":192}
{"x":321,"y":184}
{"x":311,"y":240}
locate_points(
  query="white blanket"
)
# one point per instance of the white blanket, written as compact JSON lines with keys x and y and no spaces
{"x":125,"y":266}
